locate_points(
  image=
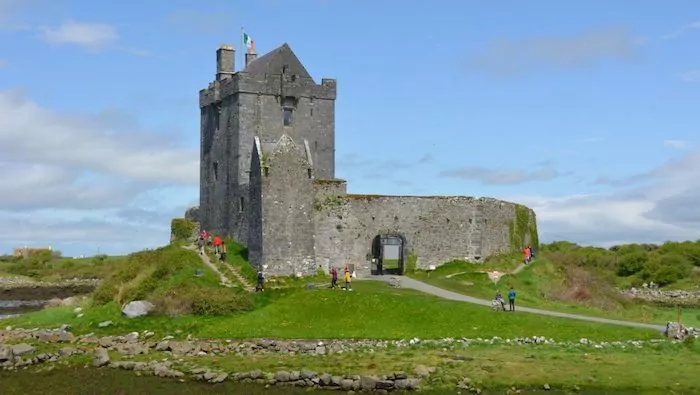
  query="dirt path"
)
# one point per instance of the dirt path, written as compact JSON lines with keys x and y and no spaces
{"x":407,"y":282}
{"x":517,"y":270}
{"x":205,"y":258}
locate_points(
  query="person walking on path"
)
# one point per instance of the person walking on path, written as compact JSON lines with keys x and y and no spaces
{"x":348,"y":279}
{"x":217,"y":244}
{"x":223,"y":252}
{"x":334,"y":277}
{"x":511,"y":299}
{"x":261,"y":282}
{"x":200,"y":245}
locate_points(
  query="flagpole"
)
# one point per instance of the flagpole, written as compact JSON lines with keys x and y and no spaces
{"x":242,"y":48}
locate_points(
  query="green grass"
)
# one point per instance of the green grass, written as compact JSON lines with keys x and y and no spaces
{"x":373,"y":310}
{"x":658,"y":369}
{"x":237,"y":256}
{"x":543,"y":285}
{"x":57,"y":269}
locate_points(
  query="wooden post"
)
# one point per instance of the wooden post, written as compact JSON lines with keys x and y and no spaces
{"x":680,"y":325}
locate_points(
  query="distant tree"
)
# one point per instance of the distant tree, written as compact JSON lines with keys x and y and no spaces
{"x":631,"y":263}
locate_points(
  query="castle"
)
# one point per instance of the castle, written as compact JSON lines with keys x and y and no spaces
{"x":267,"y":179}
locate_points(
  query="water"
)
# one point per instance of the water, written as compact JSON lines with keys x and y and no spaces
{"x":20,"y":300}
{"x":11,"y":308}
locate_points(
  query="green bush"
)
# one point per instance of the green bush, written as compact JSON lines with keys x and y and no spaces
{"x":221,"y":301}
{"x":410,"y":263}
{"x":182,"y":229}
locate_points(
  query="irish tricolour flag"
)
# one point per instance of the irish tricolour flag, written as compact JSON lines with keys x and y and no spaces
{"x":248,"y":41}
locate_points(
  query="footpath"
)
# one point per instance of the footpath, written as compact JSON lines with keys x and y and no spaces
{"x":227,"y":267}
{"x":407,"y":282}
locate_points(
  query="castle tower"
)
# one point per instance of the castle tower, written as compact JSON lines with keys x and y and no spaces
{"x":273,"y":97}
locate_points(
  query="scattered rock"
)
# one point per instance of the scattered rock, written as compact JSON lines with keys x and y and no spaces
{"x":137,"y":308}
{"x":101,"y":357}
{"x":105,"y":324}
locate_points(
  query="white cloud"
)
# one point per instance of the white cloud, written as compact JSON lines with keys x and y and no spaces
{"x":87,"y":35}
{"x":79,"y":236}
{"x":677,"y":144}
{"x":653,"y":206}
{"x":101,"y":143}
{"x":67,"y":179}
{"x":691,"y":76}
{"x":513,"y":57}
{"x":501,"y":176}
{"x":681,"y":31}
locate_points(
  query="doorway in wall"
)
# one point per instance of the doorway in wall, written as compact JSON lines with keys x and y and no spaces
{"x":388,"y":254}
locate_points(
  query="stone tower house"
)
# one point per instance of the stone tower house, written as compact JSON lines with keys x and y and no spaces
{"x":272,"y":111}
{"x":267,"y":179}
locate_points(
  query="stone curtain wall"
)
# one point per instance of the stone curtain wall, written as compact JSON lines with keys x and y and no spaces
{"x":436,"y":229}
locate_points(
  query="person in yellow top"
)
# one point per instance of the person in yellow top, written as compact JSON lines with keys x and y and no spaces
{"x":347,"y":277}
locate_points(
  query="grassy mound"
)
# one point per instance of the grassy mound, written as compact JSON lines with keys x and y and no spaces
{"x":167,"y":278}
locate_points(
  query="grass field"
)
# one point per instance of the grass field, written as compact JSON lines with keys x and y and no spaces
{"x":652,"y":369}
{"x":198,"y":306}
{"x":543,"y":285}
{"x":51,"y":269}
{"x":373,"y":310}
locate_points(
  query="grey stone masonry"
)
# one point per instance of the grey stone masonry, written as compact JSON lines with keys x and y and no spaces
{"x":267,"y":179}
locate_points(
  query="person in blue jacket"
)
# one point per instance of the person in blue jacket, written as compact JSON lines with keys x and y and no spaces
{"x":511,"y":299}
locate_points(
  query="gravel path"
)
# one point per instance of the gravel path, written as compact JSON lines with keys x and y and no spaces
{"x":407,"y":282}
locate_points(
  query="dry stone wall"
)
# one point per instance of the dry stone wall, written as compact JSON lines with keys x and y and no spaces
{"x":436,"y":229}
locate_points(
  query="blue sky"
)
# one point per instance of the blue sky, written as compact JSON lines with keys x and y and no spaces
{"x":585,"y":111}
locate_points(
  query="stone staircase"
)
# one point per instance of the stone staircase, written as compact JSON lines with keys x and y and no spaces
{"x":230,"y":269}
{"x":223,"y":279}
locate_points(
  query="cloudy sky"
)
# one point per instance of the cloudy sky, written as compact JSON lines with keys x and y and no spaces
{"x":586,"y":111}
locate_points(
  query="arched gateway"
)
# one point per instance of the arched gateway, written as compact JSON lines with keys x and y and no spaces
{"x":388,"y":254}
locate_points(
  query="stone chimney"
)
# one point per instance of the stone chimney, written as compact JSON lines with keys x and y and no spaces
{"x":250,"y":56}
{"x":225,"y":62}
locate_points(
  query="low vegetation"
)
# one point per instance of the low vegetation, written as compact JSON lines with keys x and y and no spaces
{"x":585,"y":280}
{"x":175,"y":280}
{"x":190,"y":302}
{"x":494,"y":368}
{"x":372,"y":310}
{"x":51,"y":267}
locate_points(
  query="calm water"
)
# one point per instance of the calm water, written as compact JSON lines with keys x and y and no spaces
{"x":9,"y":308}
{"x":81,"y":381}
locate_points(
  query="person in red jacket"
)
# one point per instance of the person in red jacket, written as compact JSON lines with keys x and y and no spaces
{"x":217,"y":244}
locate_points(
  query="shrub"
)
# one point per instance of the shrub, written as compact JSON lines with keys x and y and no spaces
{"x":182,"y":229}
{"x":221,"y":301}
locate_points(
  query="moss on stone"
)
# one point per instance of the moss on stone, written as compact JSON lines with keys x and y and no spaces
{"x":336,"y":181}
{"x":410,"y":264}
{"x":520,"y":227}
{"x":329,"y":202}
{"x":366,"y":197}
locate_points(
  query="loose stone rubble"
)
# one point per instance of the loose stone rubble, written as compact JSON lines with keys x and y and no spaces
{"x":18,"y":349}
{"x":656,"y":295}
